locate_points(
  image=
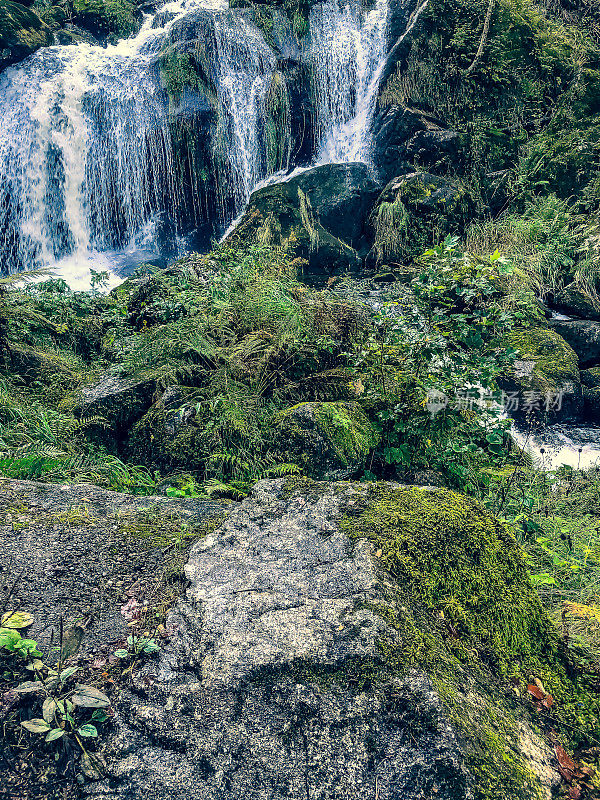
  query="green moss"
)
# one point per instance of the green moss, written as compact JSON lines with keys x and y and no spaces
{"x":591,"y":378}
{"x":456,"y":560}
{"x":21,"y":32}
{"x":556,"y":362}
{"x":103,"y":18}
{"x":330,"y":432}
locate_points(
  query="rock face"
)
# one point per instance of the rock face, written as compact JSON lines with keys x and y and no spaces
{"x":22,"y":32}
{"x":277,"y":684}
{"x":328,"y":440}
{"x":584,"y":337}
{"x":320,"y":214}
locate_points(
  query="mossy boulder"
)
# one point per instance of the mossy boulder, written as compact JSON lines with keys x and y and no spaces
{"x":107,"y":19}
{"x":328,"y":440}
{"x":583,"y":336}
{"x":574,"y":301}
{"x":383,"y":635}
{"x":168,"y":436}
{"x":546,"y":374}
{"x":22,"y":32}
{"x":412,"y":209}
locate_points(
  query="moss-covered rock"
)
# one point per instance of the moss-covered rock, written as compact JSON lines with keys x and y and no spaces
{"x":573,"y":300}
{"x":22,"y":32}
{"x":107,"y":19}
{"x":547,"y":367}
{"x":412,"y":211}
{"x":383,"y":634}
{"x":328,"y":440}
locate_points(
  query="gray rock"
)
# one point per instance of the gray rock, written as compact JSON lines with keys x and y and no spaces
{"x":583,"y":336}
{"x":272,"y":687}
{"x":119,"y":401}
{"x":323,"y":210}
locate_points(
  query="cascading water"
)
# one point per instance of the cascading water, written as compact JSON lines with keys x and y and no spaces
{"x":86,"y":151}
{"x":87,"y":157}
{"x":348,"y":53}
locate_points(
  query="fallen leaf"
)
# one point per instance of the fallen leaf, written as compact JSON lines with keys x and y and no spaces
{"x":535,"y":691}
{"x":548,"y":701}
{"x":16,"y":620}
{"x":574,"y":792}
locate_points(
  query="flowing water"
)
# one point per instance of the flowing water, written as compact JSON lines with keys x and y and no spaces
{"x":86,"y":152}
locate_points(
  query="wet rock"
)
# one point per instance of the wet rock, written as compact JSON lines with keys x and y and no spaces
{"x":328,"y":440}
{"x":22,"y":32}
{"x":583,"y":336}
{"x":275,"y":684}
{"x":319,"y":213}
{"x":572,"y":300}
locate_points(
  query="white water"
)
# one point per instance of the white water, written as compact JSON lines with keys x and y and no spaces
{"x":348,"y":53}
{"x":558,"y":445}
{"x":86,"y":157}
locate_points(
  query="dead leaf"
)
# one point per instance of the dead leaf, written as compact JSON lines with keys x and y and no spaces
{"x":535,"y":691}
{"x":548,"y":701}
{"x":71,"y":642}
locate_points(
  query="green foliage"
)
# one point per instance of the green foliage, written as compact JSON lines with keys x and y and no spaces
{"x":443,"y":338}
{"x":12,"y":641}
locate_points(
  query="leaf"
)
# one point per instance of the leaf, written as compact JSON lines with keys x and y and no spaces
{"x":36,"y":725}
{"x":28,"y":686}
{"x":548,"y":701}
{"x":92,"y":766}
{"x":55,"y":733}
{"x":151,"y":647}
{"x":99,"y":715}
{"x":535,"y":691}
{"x":90,"y":697}
{"x":121,"y":653}
{"x":71,"y":642}
{"x":88,"y":731}
{"x":49,"y":709}
{"x":66,"y":673}
{"x":16,"y":619}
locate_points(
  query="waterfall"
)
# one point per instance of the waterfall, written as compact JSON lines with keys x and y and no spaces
{"x":86,"y":150}
{"x":88,"y":161}
{"x":348,"y":53}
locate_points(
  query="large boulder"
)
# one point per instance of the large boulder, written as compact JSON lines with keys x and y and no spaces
{"x":328,"y":440}
{"x":546,"y":376}
{"x":583,"y":336}
{"x":22,"y":32}
{"x":318,"y":214}
{"x":119,"y":402}
{"x":344,"y":640}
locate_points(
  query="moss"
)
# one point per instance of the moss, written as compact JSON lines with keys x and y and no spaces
{"x":107,"y":18}
{"x":326,"y":436}
{"x":556,"y":362}
{"x":22,"y":32}
{"x":458,"y":561}
{"x":591,"y":378}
